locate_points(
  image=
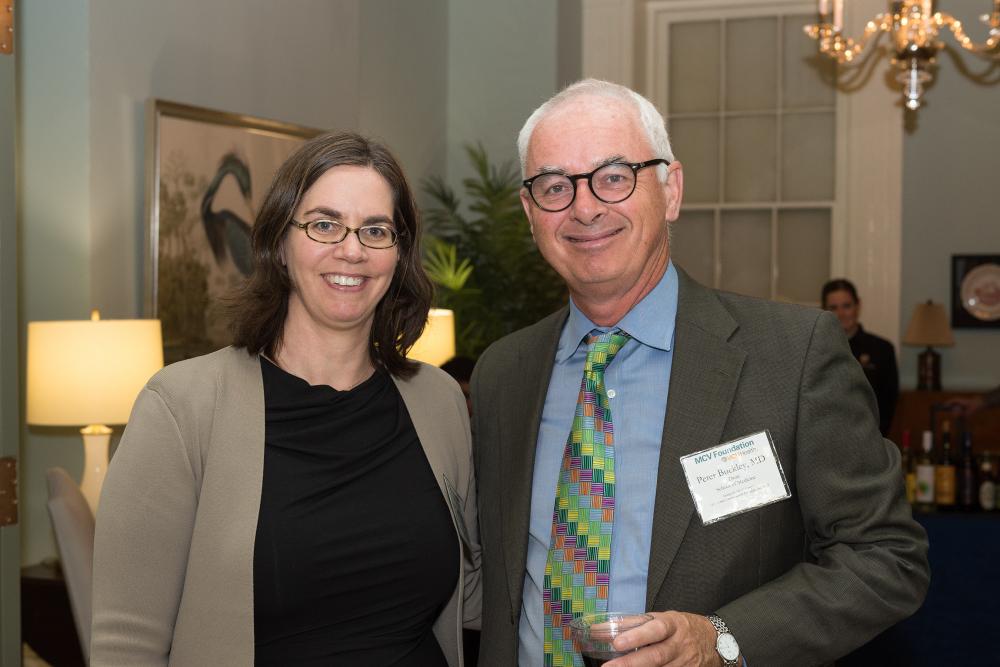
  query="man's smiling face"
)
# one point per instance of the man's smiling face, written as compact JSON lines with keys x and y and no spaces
{"x":603,"y":251}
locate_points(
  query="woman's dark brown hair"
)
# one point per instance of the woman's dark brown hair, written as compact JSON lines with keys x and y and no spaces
{"x":258,"y":310}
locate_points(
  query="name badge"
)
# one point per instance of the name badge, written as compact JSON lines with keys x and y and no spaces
{"x":735,"y":477}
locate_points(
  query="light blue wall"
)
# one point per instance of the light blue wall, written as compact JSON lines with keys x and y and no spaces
{"x":502,"y":63}
{"x":403,"y":82}
{"x":54,"y":222}
{"x":950,"y":205}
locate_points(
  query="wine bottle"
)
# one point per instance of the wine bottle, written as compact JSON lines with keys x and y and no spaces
{"x":925,"y":474}
{"x":909,"y":471}
{"x":945,"y":473}
{"x":967,"y":487}
{"x":987,"y":484}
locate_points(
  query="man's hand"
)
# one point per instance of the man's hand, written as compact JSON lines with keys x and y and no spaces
{"x":672,"y":638}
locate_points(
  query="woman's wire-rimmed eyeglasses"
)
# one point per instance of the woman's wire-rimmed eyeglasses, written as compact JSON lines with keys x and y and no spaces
{"x":378,"y":237}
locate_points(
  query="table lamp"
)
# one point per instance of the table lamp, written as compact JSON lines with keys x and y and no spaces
{"x":436,"y":344}
{"x":88,"y":373}
{"x":929,"y":326}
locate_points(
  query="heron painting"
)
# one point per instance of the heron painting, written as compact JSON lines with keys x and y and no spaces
{"x":228,"y":234}
{"x":207,"y":173}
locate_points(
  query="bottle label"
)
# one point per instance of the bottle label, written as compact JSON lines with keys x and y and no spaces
{"x":987,"y":495}
{"x":911,"y":487}
{"x":944,"y":485}
{"x":925,"y":484}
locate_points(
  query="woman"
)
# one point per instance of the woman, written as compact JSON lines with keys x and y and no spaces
{"x":876,"y":355}
{"x":306,"y":496}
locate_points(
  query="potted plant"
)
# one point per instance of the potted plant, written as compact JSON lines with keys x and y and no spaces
{"x":501,"y":283}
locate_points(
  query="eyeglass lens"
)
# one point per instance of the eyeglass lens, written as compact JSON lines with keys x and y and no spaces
{"x":372,"y":236}
{"x":611,"y":183}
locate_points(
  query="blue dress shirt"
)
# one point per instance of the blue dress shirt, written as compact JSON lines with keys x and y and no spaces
{"x":637,"y":380}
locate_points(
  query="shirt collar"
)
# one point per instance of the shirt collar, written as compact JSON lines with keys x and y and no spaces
{"x":651,"y":321}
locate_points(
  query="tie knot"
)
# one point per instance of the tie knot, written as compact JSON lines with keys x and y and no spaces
{"x":602,"y":348}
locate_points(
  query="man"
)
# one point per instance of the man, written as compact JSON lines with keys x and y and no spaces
{"x":677,"y":369}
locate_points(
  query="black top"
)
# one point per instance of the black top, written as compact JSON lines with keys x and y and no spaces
{"x":356,"y":552}
{"x":878,"y":359}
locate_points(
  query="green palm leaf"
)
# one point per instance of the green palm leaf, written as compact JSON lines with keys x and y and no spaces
{"x":443,"y":267}
{"x":501,"y":283}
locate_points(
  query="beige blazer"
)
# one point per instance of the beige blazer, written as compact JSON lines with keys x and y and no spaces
{"x":173,"y":554}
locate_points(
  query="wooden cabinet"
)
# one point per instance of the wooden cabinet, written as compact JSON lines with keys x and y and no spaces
{"x":914,"y":412}
{"x":46,"y":619}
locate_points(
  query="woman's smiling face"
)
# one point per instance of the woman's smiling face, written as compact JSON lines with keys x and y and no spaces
{"x":337,"y":286}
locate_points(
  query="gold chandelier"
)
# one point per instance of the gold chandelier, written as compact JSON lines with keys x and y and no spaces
{"x":913,"y":26}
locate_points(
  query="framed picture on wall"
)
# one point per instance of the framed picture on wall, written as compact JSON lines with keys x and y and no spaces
{"x":975,"y":291}
{"x":206,"y":175}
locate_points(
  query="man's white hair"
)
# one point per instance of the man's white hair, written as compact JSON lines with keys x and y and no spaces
{"x":651,"y":120}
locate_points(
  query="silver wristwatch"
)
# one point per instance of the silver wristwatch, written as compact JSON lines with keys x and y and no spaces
{"x":725,"y":643}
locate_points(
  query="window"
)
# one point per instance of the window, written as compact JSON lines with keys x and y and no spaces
{"x":751,"y":111}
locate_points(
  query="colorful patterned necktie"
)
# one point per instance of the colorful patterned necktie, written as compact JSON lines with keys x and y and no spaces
{"x":578,"y":565}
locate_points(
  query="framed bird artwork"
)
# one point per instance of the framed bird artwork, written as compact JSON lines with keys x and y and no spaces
{"x":206,"y":174}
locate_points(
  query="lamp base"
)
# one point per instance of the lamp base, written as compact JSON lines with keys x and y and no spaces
{"x":96,"y":439}
{"x":929,"y":370}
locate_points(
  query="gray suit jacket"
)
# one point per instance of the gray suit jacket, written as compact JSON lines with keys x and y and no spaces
{"x":173,"y":555}
{"x":799,"y":582}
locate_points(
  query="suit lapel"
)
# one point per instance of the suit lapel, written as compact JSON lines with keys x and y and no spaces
{"x":705,"y":372}
{"x":522,"y":406}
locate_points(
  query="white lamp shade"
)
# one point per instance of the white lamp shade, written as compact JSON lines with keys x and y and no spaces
{"x":84,"y":372}
{"x":437,"y":344}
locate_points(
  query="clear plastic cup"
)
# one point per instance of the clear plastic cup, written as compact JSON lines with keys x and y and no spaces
{"x":593,"y":634}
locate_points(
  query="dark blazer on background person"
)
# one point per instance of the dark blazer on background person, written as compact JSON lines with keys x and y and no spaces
{"x":877,"y":357}
{"x":199,"y":425}
{"x":798,"y":582}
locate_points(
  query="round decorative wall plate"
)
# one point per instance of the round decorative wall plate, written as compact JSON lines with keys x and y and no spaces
{"x":980,"y":291}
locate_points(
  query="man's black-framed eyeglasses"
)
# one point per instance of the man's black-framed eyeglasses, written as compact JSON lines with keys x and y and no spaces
{"x":611,"y":183}
{"x":379,"y":237}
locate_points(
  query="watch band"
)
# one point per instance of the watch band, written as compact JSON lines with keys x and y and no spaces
{"x":722,"y":630}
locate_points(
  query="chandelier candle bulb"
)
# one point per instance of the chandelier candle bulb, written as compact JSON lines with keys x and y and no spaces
{"x":913,"y":28}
